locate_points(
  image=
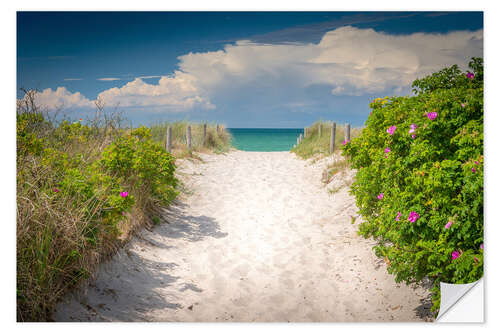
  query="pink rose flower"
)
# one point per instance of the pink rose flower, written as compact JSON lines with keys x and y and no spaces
{"x":448,"y":225}
{"x":380,"y":196}
{"x":123,"y":194}
{"x":455,"y":255}
{"x":391,"y":130}
{"x":432,"y":115}
{"x":398,"y":216}
{"x":413,"y":217}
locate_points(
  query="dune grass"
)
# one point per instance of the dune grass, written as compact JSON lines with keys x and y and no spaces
{"x":316,"y":145}
{"x":83,"y":189}
{"x":215,"y":142}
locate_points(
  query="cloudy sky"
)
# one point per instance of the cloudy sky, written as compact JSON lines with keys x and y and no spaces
{"x":242,"y":69}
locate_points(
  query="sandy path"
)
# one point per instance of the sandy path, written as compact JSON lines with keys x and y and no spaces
{"x":258,"y":239}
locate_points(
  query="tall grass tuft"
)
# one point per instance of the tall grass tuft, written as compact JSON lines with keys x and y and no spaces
{"x":315,"y":145}
{"x":216,"y":142}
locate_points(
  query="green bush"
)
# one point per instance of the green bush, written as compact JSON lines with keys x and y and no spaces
{"x":81,"y":190}
{"x":419,"y":184}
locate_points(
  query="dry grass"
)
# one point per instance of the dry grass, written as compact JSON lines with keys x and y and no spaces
{"x":215,"y":142}
{"x":57,"y":246}
{"x":317,"y":146}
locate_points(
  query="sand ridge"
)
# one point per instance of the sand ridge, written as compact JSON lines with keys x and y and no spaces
{"x":257,"y":237}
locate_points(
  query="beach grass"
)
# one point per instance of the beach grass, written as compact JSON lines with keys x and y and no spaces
{"x":215,"y":141}
{"x":315,"y":145}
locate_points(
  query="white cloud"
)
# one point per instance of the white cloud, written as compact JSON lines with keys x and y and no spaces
{"x":352,"y":61}
{"x":72,"y":79}
{"x":149,"y":77}
{"x":177,"y":92}
{"x":61,"y":98}
{"x":347,"y":61}
{"x":108,"y":79}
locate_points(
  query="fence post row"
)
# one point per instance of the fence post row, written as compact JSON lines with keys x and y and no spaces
{"x":347,"y":132}
{"x":188,"y":136}
{"x":204,"y":133}
{"x":169,"y":139}
{"x":332,"y":138}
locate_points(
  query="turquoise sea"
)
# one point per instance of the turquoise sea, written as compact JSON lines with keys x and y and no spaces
{"x":264,"y":139}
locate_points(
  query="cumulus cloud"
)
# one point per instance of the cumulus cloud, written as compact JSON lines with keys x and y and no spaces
{"x":351,"y":61}
{"x":347,"y":61}
{"x":61,"y":98}
{"x":177,"y":92}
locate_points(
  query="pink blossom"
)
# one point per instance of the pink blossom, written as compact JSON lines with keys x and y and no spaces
{"x":473,"y":170}
{"x":413,"y":217}
{"x":55,"y":190}
{"x":123,"y":194}
{"x":380,"y":196}
{"x":413,"y":136}
{"x":463,"y":105}
{"x":413,"y":127}
{"x":476,"y":162}
{"x":481,"y":246}
{"x":432,"y":115}
{"x":345,"y":142}
{"x":387,"y":150}
{"x":448,"y":225}
{"x":391,"y":130}
{"x":455,"y":255}
{"x":470,"y":75}
{"x":397,"y":216}
{"x":475,"y":260}
{"x":123,"y":213}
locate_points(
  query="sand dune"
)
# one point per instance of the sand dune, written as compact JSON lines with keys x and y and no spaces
{"x":256,"y":237}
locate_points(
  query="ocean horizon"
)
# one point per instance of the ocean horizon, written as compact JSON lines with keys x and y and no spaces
{"x":264,"y":139}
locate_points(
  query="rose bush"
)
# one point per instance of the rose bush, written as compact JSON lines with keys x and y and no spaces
{"x":425,"y":154}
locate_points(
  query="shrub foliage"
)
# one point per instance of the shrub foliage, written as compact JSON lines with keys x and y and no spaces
{"x":419,"y":184}
{"x":81,"y":191}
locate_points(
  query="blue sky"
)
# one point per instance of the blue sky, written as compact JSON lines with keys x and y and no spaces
{"x":244,"y":69}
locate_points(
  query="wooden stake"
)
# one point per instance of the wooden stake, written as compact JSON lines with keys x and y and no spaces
{"x":188,"y":136}
{"x":332,"y":138}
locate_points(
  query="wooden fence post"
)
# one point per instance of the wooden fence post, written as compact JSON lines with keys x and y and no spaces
{"x":204,"y":133}
{"x":347,"y":132}
{"x":332,"y":138}
{"x":169,"y":139}
{"x":300,"y":138}
{"x":319,"y":130}
{"x":305,"y":132}
{"x":217,"y":129}
{"x":188,"y":136}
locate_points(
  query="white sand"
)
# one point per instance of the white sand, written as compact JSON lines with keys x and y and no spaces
{"x":257,"y":239}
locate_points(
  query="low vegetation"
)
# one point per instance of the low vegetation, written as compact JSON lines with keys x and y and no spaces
{"x":419,"y":181}
{"x":214,"y":142}
{"x":83,"y":188}
{"x":316,"y":144}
